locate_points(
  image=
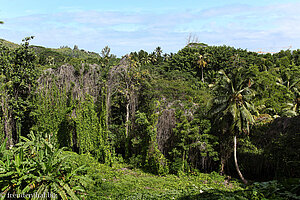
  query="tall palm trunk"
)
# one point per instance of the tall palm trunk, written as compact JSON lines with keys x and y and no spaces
{"x":236,"y":163}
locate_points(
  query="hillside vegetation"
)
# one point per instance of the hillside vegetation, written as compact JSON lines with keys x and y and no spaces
{"x":207,"y":122}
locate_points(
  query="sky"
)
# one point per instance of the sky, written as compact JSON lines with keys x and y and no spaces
{"x":133,"y":25}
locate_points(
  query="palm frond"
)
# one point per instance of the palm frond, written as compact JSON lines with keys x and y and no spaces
{"x":233,"y":110}
{"x":289,"y":113}
{"x":217,"y":109}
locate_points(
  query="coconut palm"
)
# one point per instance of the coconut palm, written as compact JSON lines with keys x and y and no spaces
{"x":231,"y":107}
{"x":202,"y":61}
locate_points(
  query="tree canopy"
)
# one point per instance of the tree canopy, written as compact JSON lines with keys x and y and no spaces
{"x":193,"y":111}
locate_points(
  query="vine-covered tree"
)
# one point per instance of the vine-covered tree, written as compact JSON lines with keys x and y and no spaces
{"x":18,"y":79}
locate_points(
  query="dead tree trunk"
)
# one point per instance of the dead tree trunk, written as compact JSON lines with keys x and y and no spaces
{"x":127,"y":120}
{"x":108,"y":96}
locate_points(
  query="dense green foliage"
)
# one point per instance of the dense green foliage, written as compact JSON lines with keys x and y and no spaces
{"x":36,"y":166}
{"x":174,"y":116}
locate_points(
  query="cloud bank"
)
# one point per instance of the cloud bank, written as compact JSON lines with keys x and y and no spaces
{"x":253,"y":27}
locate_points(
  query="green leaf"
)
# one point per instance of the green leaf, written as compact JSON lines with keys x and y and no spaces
{"x":69,"y":191}
{"x":60,"y":191}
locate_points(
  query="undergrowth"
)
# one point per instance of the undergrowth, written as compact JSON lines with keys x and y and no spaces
{"x":121,"y":182}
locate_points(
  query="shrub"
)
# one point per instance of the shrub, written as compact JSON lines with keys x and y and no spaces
{"x":35,"y":166}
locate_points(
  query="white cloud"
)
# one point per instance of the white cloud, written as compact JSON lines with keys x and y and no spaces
{"x":238,"y":25}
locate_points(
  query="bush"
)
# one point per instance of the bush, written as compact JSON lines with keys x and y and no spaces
{"x":35,"y":166}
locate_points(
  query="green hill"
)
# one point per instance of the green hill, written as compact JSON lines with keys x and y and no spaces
{"x":57,"y":56}
{"x":8,"y":44}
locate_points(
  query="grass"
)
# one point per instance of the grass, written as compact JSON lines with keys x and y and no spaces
{"x":121,"y":182}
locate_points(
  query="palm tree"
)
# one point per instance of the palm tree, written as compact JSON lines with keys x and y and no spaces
{"x":158,"y":51}
{"x":203,"y":60}
{"x":231,"y":107}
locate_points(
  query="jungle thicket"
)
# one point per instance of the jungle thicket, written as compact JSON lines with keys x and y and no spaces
{"x":203,"y":109}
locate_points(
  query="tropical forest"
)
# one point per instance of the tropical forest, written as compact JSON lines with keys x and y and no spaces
{"x":206,"y":122}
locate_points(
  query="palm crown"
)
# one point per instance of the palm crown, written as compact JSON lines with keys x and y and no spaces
{"x":232,"y":105}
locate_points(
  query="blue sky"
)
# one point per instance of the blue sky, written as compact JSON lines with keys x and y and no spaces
{"x":132,"y":25}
